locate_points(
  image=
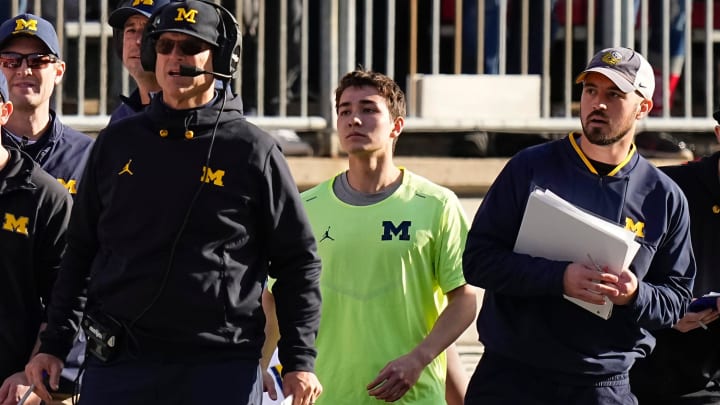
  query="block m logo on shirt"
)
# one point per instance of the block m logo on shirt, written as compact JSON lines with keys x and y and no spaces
{"x":214,"y":177}
{"x":70,"y":185}
{"x":638,"y":228}
{"x":402,"y":231}
{"x":15,"y":224}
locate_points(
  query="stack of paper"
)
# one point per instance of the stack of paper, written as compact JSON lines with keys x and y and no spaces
{"x":557,"y":230}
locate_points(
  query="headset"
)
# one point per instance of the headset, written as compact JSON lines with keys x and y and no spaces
{"x":226,"y":57}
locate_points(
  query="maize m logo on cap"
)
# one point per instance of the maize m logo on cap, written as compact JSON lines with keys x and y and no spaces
{"x":612,"y":58}
{"x":22,"y":25}
{"x":136,"y":3}
{"x":188,"y":15}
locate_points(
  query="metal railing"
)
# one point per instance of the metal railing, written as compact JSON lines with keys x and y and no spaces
{"x":294,"y":51}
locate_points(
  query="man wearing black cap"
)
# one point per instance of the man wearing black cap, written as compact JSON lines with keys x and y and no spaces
{"x":686,"y":358}
{"x":34,"y":212}
{"x":540,"y":347}
{"x":128,"y":22}
{"x":185,"y":210}
{"x":30,"y":59}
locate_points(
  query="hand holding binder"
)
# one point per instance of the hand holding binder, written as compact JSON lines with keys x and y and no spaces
{"x":557,"y":230}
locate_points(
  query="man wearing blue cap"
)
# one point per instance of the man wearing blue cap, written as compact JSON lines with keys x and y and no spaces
{"x":128,"y":22}
{"x":30,"y":60}
{"x":541,"y":348}
{"x":185,"y":210}
{"x":34,"y":213}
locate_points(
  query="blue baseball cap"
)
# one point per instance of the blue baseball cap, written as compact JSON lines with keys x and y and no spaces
{"x":4,"y":92}
{"x":191,"y":17}
{"x":134,"y":7}
{"x":32,"y":26}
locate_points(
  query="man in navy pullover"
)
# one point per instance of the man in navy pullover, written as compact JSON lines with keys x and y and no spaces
{"x":185,"y":210}
{"x":541,"y":348}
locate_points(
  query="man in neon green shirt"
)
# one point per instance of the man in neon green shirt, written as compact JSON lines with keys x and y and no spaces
{"x":391,"y":243}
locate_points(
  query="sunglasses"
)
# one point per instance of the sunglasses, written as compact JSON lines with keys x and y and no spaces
{"x":13,"y":60}
{"x":164,"y":46}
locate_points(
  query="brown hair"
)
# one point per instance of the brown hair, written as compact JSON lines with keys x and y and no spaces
{"x":385,"y":86}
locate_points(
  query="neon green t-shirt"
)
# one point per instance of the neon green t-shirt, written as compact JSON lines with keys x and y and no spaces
{"x":385,"y":270}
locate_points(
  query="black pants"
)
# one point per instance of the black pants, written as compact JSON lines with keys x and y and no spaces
{"x":129,"y":381}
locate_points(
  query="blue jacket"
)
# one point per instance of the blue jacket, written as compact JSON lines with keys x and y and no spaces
{"x":524,"y":315}
{"x":61,"y":151}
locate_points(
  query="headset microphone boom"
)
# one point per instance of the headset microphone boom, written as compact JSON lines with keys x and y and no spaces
{"x":192,"y":71}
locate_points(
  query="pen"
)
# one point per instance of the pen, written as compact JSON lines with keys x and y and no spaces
{"x":702,"y":325}
{"x":27,"y":394}
{"x":594,"y":264}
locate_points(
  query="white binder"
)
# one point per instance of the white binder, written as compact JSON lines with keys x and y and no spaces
{"x":555,"y":229}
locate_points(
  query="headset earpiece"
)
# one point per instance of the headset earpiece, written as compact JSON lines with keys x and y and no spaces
{"x":226,"y":57}
{"x":147,"y":43}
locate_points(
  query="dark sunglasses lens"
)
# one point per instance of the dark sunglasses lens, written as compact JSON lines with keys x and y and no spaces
{"x":14,"y":60}
{"x":164,"y":46}
{"x":36,"y":61}
{"x":187,"y":47}
{"x":191,"y":47}
{"x":10,"y":60}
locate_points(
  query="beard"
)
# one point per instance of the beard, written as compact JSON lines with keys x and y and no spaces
{"x":606,"y":135}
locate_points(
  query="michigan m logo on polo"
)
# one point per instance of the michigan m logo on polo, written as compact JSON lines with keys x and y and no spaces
{"x":23,"y":25}
{"x":212,"y":176}
{"x":188,"y":16}
{"x":391,"y":230}
{"x":638,"y":228}
{"x":17,"y":225}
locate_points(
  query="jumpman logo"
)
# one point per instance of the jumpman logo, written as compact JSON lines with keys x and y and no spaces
{"x":326,"y":235}
{"x":126,"y":169}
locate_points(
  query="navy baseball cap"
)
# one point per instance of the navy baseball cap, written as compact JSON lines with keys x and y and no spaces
{"x":32,"y":26}
{"x":194,"y":18}
{"x":4,"y":93}
{"x":134,"y":7}
{"x":626,"y":68}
